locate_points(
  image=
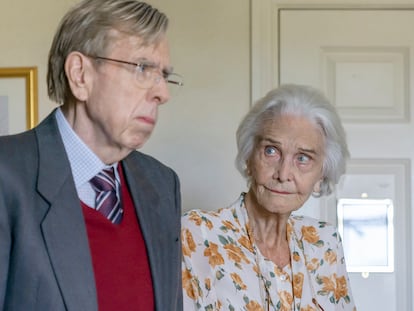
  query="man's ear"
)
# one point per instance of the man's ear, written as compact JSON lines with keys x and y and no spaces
{"x":79,"y":69}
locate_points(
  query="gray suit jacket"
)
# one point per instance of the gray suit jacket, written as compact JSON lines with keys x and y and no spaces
{"x":45,"y":262}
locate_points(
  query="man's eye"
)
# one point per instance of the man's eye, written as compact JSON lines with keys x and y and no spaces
{"x":144,"y":67}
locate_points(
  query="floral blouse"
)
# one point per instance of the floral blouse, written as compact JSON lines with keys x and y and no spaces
{"x":223,"y":270}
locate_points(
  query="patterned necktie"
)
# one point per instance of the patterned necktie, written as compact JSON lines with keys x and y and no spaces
{"x":107,"y":202}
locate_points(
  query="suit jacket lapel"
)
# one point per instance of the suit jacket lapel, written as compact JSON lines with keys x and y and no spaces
{"x":63,"y":226}
{"x":147,"y":206}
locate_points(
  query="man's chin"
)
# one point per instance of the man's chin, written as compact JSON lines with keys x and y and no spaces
{"x":139,"y":143}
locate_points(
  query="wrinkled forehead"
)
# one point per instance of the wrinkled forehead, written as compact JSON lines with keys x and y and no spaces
{"x":295,"y":120}
{"x":287,"y":127}
{"x":134,"y":49}
{"x":116,"y":37}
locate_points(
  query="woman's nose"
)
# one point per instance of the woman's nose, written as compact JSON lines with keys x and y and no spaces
{"x":283,"y":171}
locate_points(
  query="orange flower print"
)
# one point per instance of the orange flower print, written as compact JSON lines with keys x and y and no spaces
{"x":235,"y":253}
{"x":215,"y":258}
{"x":286,"y":300}
{"x":313,"y":264}
{"x":296,"y":256}
{"x":335,"y":285}
{"x":195,"y":217}
{"x":228,"y":225}
{"x":188,"y":244}
{"x":253,"y":305}
{"x":279,"y":272}
{"x":215,"y":213}
{"x":298,"y":284}
{"x":238,"y":282}
{"x":328,"y":284}
{"x":189,"y":285}
{"x":330,"y":256}
{"x":244,"y":241}
{"x":208,"y":223}
{"x":207,"y":284}
{"x":256,"y":269}
{"x":310,"y":234}
{"x":307,"y":308}
{"x":341,"y":287}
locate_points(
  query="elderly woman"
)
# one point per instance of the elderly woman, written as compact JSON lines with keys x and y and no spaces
{"x":255,"y":254}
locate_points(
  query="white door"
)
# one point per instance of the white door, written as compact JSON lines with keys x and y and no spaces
{"x":362,"y":58}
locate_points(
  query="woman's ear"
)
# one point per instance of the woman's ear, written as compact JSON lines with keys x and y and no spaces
{"x":317,"y":186}
{"x":248,"y":169}
{"x":78,"y":70}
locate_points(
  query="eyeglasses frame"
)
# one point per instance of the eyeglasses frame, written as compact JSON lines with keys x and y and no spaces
{"x":137,"y":65}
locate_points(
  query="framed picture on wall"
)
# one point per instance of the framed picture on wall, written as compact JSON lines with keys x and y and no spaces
{"x":18,"y":99}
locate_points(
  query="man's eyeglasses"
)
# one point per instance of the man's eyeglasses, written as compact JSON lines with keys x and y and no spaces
{"x":148,"y":74}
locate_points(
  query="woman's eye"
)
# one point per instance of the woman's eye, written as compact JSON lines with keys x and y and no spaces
{"x":269,"y":150}
{"x":303,"y":158}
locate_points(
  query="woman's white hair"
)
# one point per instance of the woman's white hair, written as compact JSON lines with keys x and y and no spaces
{"x":298,"y":100}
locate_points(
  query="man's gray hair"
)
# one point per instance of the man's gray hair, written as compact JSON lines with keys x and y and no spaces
{"x":86,"y":29}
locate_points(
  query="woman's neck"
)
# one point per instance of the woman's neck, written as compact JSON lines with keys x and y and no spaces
{"x":268,"y":232}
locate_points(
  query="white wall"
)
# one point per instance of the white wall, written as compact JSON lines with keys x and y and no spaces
{"x":210,"y":47}
{"x":26,"y":32}
{"x":196,"y":133}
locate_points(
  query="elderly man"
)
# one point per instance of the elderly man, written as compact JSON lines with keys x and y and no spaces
{"x":86,"y":221}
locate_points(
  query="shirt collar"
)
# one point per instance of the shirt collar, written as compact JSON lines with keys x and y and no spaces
{"x":84,"y":163}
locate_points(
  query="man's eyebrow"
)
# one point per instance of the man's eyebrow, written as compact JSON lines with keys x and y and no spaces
{"x":147,"y":62}
{"x":165,"y":70}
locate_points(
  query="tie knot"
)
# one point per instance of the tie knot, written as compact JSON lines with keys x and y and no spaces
{"x":104,"y":180}
{"x":107,"y":201}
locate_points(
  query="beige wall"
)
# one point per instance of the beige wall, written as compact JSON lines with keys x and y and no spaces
{"x":209,"y":47}
{"x":196,"y":133}
{"x":26,"y":32}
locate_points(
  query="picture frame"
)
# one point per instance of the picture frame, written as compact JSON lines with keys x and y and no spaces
{"x":18,"y":96}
